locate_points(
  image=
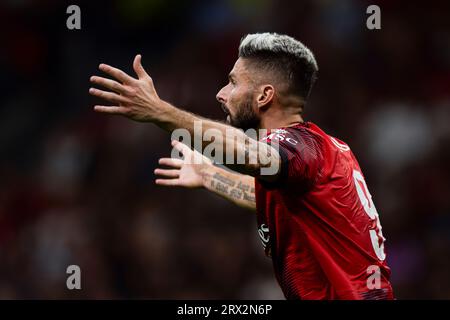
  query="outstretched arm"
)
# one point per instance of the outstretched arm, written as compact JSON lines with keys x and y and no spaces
{"x":235,"y":187}
{"x":138,"y":100}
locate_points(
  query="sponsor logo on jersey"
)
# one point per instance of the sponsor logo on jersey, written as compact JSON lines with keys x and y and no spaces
{"x":263,"y":232}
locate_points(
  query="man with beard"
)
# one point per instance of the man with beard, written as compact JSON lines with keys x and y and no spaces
{"x":316,"y":218}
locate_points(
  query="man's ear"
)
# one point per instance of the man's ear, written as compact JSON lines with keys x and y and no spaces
{"x":265,"y":96}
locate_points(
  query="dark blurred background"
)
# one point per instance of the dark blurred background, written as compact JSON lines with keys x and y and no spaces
{"x":78,"y":188}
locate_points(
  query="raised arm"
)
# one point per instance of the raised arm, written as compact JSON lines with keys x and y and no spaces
{"x":138,"y":100}
{"x":235,"y":187}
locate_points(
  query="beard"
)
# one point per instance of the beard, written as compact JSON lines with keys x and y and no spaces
{"x":245,"y":117}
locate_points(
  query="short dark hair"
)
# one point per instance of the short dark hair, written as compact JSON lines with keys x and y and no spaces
{"x":282,"y":54}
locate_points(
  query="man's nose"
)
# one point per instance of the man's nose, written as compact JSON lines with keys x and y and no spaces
{"x":220,"y":96}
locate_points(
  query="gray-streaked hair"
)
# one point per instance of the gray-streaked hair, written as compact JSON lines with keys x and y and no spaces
{"x":286,"y":56}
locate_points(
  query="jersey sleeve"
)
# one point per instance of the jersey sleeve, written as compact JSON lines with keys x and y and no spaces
{"x":300,"y":159}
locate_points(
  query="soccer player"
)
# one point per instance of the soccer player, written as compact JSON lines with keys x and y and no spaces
{"x":316,"y":218}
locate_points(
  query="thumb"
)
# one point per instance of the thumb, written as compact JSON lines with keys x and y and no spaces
{"x":181,"y":147}
{"x":138,"y":68}
{"x":190,"y":156}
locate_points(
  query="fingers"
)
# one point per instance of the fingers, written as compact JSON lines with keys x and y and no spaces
{"x":171,"y":176}
{"x":138,"y":68}
{"x":109,"y":84}
{"x":168,"y":173}
{"x":116,"y":73}
{"x":171,"y":162}
{"x":167,"y":182}
{"x":110,"y":96}
{"x":111,"y":110}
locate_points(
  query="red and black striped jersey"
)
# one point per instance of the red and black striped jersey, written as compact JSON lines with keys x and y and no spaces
{"x":318,"y":222}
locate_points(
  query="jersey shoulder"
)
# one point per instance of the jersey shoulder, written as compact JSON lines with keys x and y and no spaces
{"x":333,"y":153}
{"x":300,"y":149}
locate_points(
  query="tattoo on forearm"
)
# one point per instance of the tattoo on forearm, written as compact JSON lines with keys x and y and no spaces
{"x":227,"y":187}
{"x":224,"y":180}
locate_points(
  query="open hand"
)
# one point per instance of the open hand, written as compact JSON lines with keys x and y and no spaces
{"x":183,"y":173}
{"x":134,"y":98}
